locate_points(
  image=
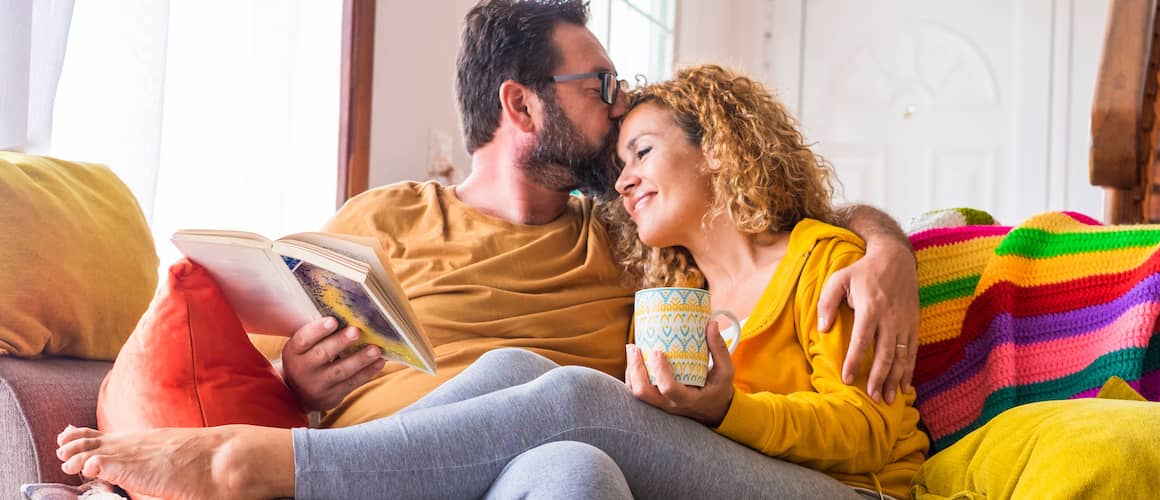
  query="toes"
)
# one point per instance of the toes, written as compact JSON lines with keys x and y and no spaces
{"x":75,"y":463}
{"x":75,"y":446}
{"x":92,"y":466}
{"x":70,"y":433}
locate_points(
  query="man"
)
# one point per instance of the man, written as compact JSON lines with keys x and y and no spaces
{"x":506,"y":259}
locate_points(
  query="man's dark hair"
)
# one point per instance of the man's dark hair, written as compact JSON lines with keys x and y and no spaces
{"x":507,"y":40}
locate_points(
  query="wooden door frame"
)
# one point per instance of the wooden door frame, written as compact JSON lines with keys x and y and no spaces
{"x":354,"y":140}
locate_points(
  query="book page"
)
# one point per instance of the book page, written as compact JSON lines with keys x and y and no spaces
{"x":255,"y":280}
{"x":348,"y":301}
{"x":383,"y":286}
{"x":361,"y":249}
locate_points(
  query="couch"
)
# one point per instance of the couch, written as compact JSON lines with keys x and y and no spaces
{"x":38,"y":398}
{"x":78,"y":267}
{"x":49,"y":387}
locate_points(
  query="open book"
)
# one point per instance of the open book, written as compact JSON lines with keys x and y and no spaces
{"x":276,"y":287}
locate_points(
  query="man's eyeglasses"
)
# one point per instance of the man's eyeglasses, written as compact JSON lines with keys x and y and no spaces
{"x":609,"y":85}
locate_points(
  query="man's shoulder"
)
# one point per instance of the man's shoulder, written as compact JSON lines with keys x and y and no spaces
{"x":380,"y":206}
{"x":392,"y":195}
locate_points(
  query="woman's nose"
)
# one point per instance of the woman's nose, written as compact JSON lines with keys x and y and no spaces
{"x":626,"y":181}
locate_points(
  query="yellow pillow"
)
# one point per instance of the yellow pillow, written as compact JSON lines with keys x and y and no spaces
{"x":1079,"y":448}
{"x":77,"y":262}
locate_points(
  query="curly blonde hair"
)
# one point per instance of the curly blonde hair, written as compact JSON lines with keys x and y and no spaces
{"x":763,"y":174}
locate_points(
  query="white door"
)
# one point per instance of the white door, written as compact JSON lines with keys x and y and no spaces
{"x":925,"y":104}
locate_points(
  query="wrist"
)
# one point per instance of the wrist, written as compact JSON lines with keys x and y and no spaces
{"x":715,"y":419}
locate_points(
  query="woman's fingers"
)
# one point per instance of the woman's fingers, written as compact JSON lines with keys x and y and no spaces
{"x":636,"y":377}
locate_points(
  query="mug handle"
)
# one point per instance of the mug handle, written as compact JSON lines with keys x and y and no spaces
{"x":736,"y":337}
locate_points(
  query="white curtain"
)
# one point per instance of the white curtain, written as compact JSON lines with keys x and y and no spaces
{"x":216,"y":113}
{"x":33,"y":35}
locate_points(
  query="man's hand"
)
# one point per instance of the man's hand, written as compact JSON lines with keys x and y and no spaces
{"x":707,"y":405}
{"x":882,"y":289}
{"x":315,"y":370}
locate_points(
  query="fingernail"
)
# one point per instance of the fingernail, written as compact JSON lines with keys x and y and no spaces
{"x":821,"y":322}
{"x":890,"y":396}
{"x":351,"y":333}
{"x":847,"y":379}
{"x":330,"y":323}
{"x":373,"y":352}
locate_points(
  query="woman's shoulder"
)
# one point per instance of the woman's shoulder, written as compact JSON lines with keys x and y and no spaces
{"x":811,"y":235}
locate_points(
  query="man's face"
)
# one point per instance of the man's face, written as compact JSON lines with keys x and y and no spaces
{"x":564,"y":159}
{"x":574,"y":146}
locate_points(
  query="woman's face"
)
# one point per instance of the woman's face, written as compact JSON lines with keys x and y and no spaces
{"x":664,"y":183}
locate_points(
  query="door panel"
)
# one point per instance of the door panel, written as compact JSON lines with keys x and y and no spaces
{"x":924,"y":104}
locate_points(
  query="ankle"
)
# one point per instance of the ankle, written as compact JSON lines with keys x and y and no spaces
{"x":255,"y":462}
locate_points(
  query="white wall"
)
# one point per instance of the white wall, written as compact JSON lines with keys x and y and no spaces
{"x":1076,"y":66}
{"x":414,"y":79}
{"x":726,"y":32}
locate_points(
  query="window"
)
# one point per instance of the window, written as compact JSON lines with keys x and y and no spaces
{"x":638,"y":35}
{"x":217,"y":114}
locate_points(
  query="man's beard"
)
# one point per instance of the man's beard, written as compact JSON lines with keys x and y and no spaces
{"x":562,"y":160}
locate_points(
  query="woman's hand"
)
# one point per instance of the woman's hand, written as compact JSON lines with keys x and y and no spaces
{"x":707,"y":405}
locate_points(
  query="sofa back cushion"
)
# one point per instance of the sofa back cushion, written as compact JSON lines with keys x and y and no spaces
{"x":77,"y":260}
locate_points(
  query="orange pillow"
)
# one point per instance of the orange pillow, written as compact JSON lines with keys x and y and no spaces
{"x":190,"y":364}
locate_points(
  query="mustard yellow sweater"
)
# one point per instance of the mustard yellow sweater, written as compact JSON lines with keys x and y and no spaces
{"x":790,"y":401}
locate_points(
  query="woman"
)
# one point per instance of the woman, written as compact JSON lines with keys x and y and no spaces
{"x":724,"y":194}
{"x":720,"y":191}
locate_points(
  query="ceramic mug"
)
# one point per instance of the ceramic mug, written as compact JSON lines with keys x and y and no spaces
{"x":673,"y":320}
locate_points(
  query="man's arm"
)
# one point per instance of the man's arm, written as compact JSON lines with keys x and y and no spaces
{"x":882,"y":288}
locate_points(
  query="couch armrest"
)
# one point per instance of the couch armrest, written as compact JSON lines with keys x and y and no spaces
{"x":38,"y":398}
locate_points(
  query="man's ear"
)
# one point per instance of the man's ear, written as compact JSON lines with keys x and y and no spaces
{"x":519,"y":104}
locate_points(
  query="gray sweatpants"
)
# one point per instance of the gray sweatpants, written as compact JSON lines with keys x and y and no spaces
{"x":456,"y":441}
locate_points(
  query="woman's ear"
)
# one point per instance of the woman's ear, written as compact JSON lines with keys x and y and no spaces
{"x":712,"y":164}
{"x":519,"y":105}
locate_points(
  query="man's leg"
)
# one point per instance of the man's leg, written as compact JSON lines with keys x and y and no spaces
{"x":458,"y":450}
{"x":495,"y":370}
{"x":561,"y":469}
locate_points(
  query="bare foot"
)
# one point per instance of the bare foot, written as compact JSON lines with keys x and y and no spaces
{"x":233,"y":461}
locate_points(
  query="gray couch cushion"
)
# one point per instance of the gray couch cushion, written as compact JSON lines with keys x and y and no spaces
{"x":38,"y":398}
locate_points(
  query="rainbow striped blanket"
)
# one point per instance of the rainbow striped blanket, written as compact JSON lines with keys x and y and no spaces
{"x":1045,"y":310}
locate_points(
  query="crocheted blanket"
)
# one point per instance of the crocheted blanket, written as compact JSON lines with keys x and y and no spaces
{"x":1046,"y":310}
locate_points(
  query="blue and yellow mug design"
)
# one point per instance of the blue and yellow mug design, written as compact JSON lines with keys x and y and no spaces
{"x":673,"y":320}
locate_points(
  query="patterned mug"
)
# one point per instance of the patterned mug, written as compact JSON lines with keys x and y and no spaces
{"x":673,"y":320}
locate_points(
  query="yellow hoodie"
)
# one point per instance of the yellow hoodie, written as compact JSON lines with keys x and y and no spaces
{"x":790,"y":401}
